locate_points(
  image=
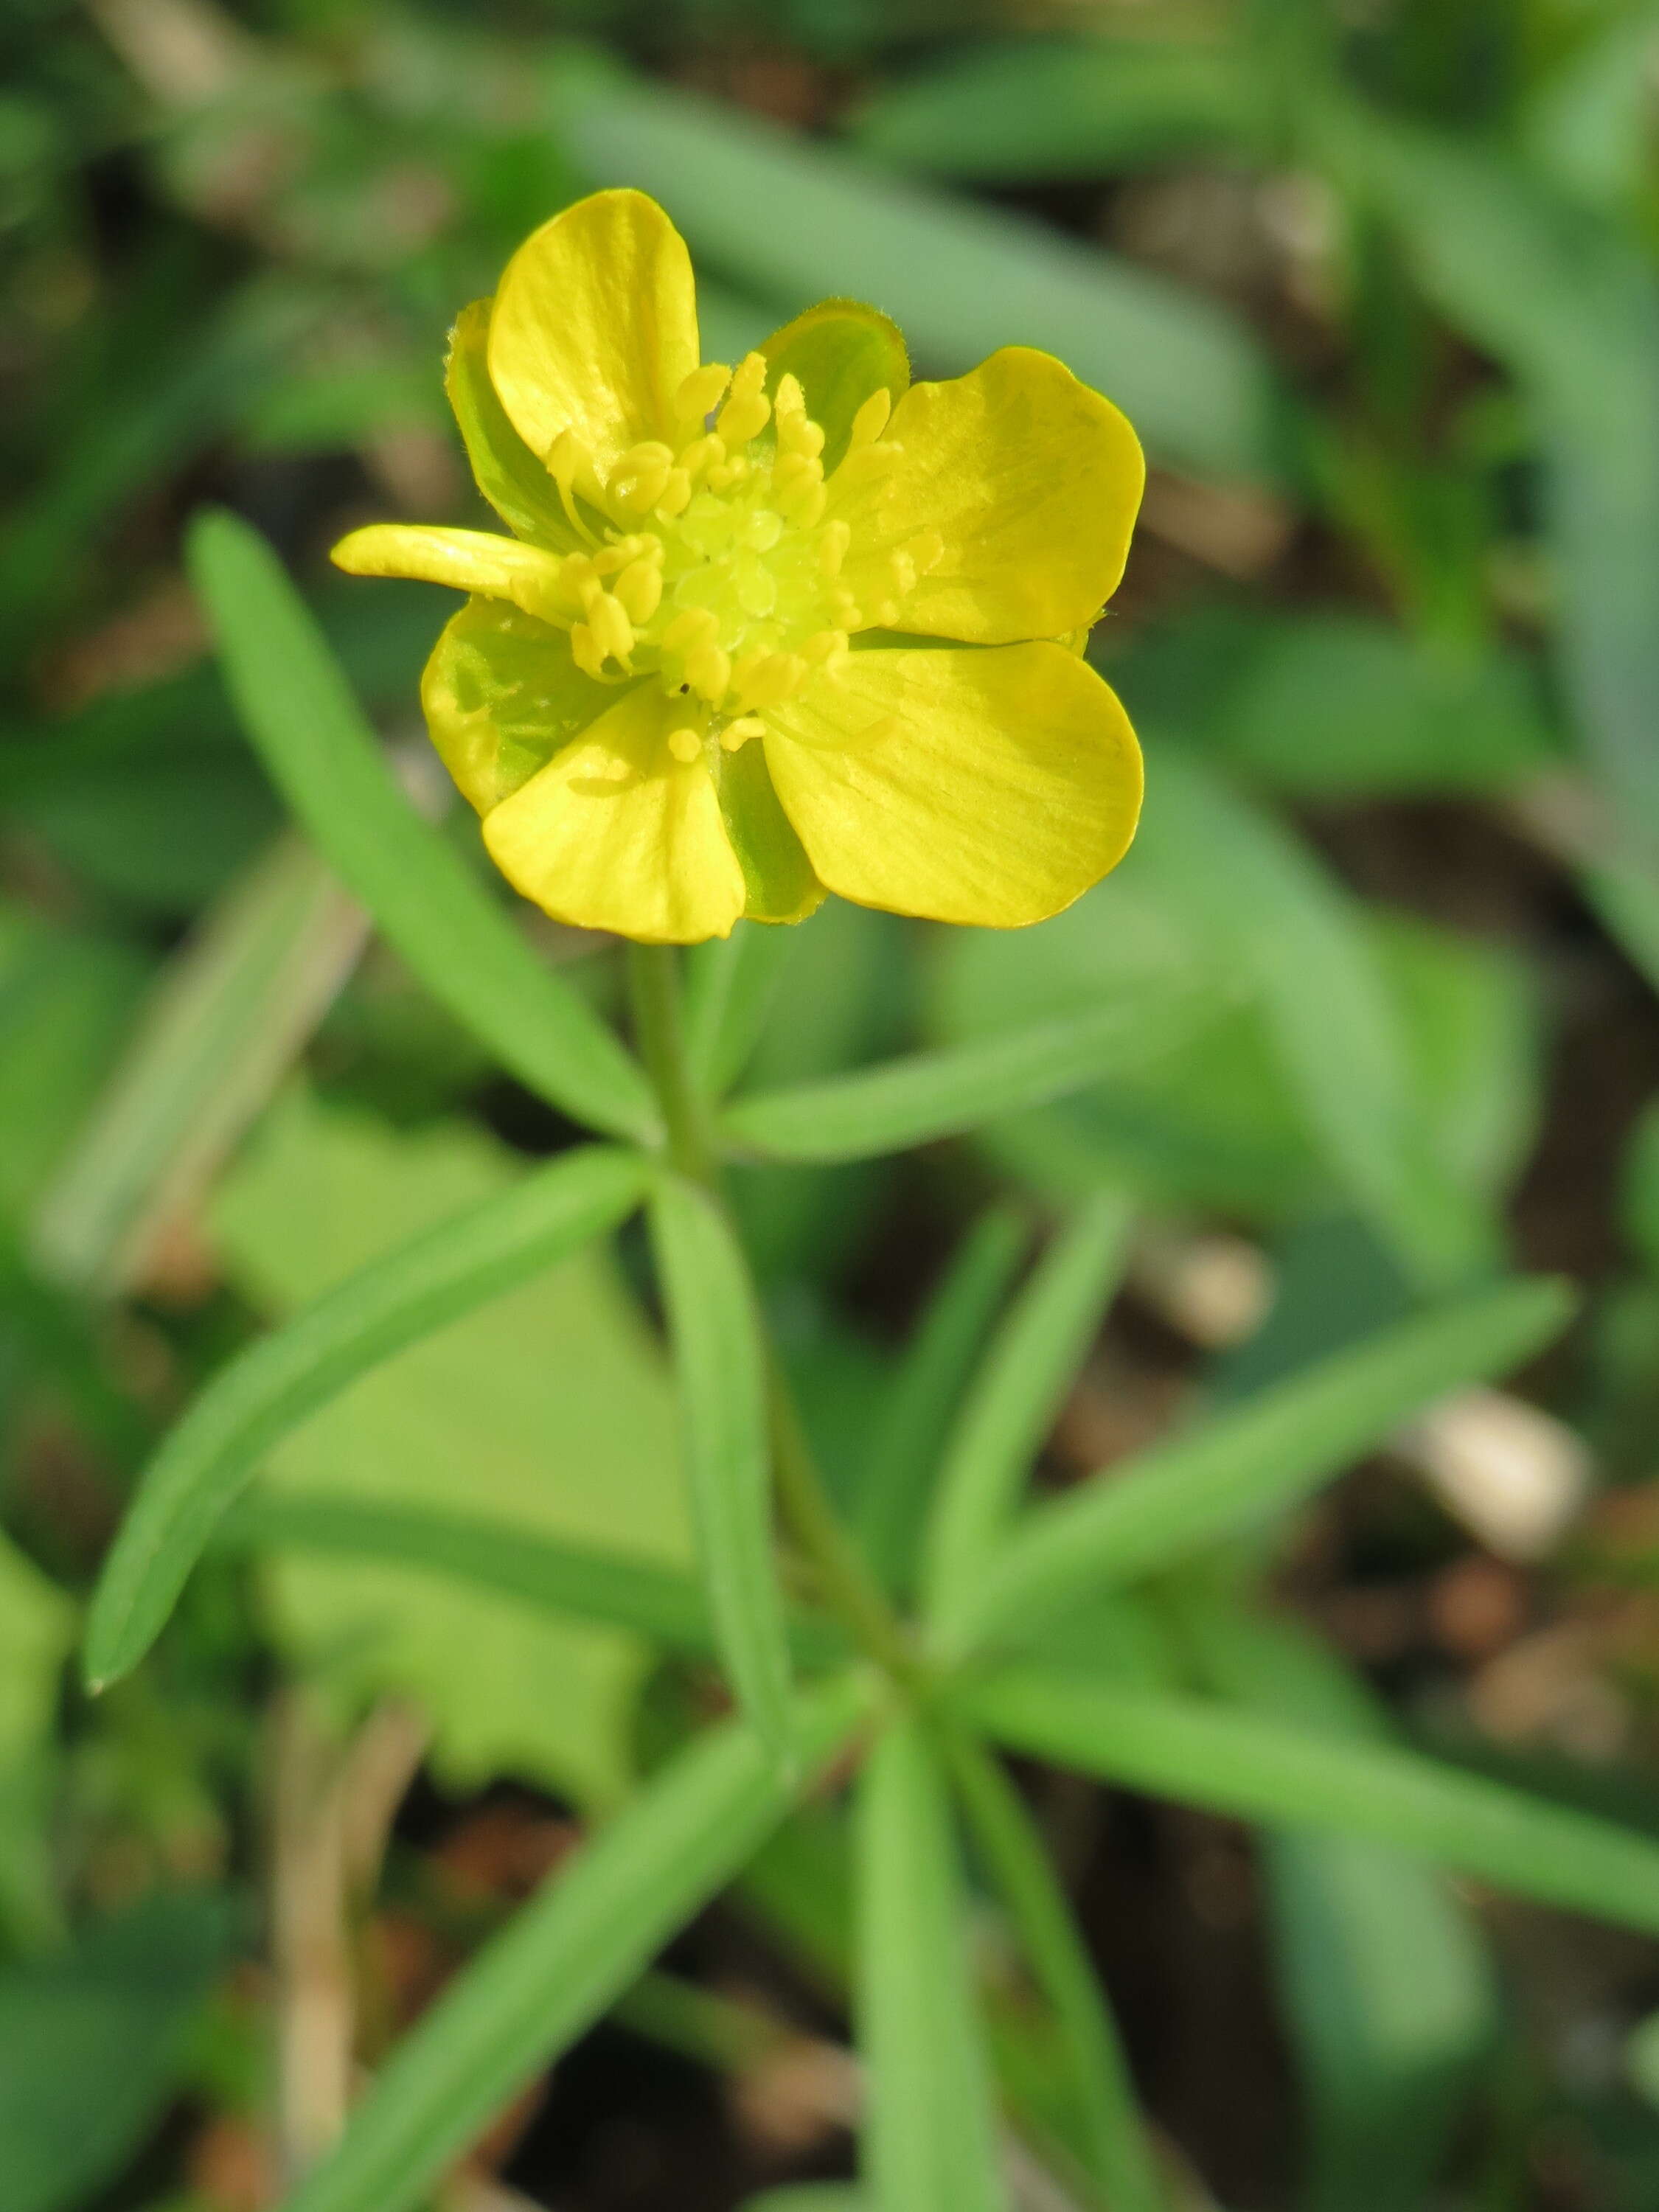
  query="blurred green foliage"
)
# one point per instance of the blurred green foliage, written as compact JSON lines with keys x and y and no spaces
{"x":1379,"y":285}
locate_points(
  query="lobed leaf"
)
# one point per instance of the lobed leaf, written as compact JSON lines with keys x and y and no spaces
{"x":253,"y":1402}
{"x":1020,"y":1387}
{"x":1248,"y":1767}
{"x":588,"y":1933}
{"x":720,"y":1362}
{"x":300,"y":711}
{"x":929,"y":2135}
{"x":1249,"y":1464}
{"x":929,"y":1095}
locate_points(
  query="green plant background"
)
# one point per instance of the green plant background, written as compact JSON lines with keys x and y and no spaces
{"x":1108,"y":1308}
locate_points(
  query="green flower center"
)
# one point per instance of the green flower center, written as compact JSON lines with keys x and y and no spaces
{"x":716,"y":564}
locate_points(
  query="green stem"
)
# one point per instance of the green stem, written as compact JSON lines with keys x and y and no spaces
{"x":653,"y":983}
{"x":845,"y":1582}
{"x":1118,"y":2156}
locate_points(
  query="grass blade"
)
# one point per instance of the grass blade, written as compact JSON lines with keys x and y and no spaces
{"x":929,"y":2127}
{"x":913,"y":1423}
{"x":1109,"y":2119}
{"x":233,"y":1009}
{"x":1255,"y":1769}
{"x":720,"y":1363}
{"x":1020,"y":1387}
{"x":578,"y":1944}
{"x":253,"y":1402}
{"x":323,"y":756}
{"x":1249,"y":1463}
{"x":928,"y":1095}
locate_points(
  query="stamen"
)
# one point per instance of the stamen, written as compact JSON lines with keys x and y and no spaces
{"x":565,"y":458}
{"x":691,"y":626}
{"x":701,"y":391}
{"x":640,"y":477}
{"x":639,"y":585}
{"x":747,"y":411}
{"x":870,"y":420}
{"x":685,"y":745}
{"x":612,"y":632}
{"x":737,"y":734}
{"x":708,"y":671}
{"x":832,"y":547}
{"x":675,"y":497}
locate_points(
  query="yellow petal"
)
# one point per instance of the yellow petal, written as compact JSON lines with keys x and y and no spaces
{"x":982,"y":788}
{"x":470,"y":560}
{"x":1031,"y":479}
{"x":501,"y":696}
{"x":595,"y":327}
{"x":510,"y":477}
{"x":615,"y":833}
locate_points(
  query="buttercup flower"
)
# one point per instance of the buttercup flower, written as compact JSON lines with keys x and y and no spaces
{"x":763,"y":632}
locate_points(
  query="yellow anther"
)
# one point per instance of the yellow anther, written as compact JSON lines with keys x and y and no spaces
{"x":725,"y":474}
{"x":612,"y":632}
{"x":747,"y":410}
{"x":832,"y":547}
{"x":685,"y":745}
{"x":639,"y":586}
{"x":676,"y":496}
{"x":767,"y":679}
{"x":579,"y":578}
{"x":737,"y":734}
{"x":691,"y":626}
{"x":585,"y":651}
{"x":848,"y":615}
{"x":805,"y":504}
{"x":825,"y":645}
{"x":795,"y":471}
{"x":703,"y":453}
{"x":870,"y":420}
{"x":701,"y":391}
{"x":641,"y":476}
{"x":568,"y":459}
{"x":708,"y":671}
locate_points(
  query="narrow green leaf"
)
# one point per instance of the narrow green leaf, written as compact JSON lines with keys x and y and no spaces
{"x":581,"y":1580}
{"x":928,"y":1095}
{"x":252,"y":1403}
{"x":231,"y":1009}
{"x":1250,"y":1768}
{"x":323,"y":756}
{"x":1021,"y":1385}
{"x":1247,"y":1464}
{"x":959,"y":280}
{"x":929,"y":2125}
{"x":719,"y":1360}
{"x":731,"y":983}
{"x":1108,"y":2115}
{"x":532,"y":1990}
{"x":922,"y":1402}
{"x":665,"y":1608}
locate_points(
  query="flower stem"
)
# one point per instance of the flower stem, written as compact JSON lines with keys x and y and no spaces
{"x":845,"y":1582}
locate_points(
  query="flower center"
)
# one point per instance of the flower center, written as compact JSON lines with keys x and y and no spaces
{"x":718,"y":563}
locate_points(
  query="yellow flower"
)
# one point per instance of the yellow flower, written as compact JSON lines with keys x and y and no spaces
{"x":763,"y":632}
